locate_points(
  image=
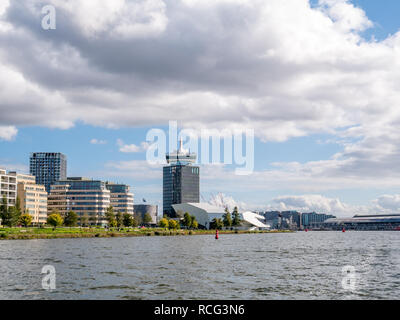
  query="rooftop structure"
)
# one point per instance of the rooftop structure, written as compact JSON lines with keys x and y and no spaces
{"x":181,"y":156}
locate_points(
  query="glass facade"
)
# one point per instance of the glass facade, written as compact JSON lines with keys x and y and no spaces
{"x":48,"y":167}
{"x":83,"y":196}
{"x":181,"y":184}
{"x":314,"y":219}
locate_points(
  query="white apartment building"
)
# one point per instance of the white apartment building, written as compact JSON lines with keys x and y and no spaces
{"x":8,"y":187}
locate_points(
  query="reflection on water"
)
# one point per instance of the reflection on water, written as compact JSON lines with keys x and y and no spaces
{"x":264,"y":266}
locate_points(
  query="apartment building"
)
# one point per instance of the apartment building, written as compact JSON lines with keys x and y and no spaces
{"x":81,"y":195}
{"x":8,"y":187}
{"x":121,"y":199}
{"x":32,"y":198}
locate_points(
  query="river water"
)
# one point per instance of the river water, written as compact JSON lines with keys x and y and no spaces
{"x":249,"y":266}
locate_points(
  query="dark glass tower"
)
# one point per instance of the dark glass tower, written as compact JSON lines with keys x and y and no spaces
{"x":181,"y":180}
{"x":48,"y":167}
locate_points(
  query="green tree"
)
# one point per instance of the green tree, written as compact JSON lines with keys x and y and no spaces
{"x":193,"y":221}
{"x":187,"y":220}
{"x":147,"y":219}
{"x":71,"y":219}
{"x":25,"y":220}
{"x":216,"y":224}
{"x":11,"y":217}
{"x":127,"y":220}
{"x":227,"y":219}
{"x":110,"y":217}
{"x":119,"y":219}
{"x":18,"y":206}
{"x":94,"y":218}
{"x":55,"y":220}
{"x":138,"y":218}
{"x":163,"y":223}
{"x":84,"y":220}
{"x":173,"y":224}
{"x":236,"y":218}
{"x":134,"y":222}
{"x":195,"y":224}
{"x":3,"y":209}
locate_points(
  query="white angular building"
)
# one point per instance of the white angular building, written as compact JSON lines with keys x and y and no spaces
{"x":206,"y":213}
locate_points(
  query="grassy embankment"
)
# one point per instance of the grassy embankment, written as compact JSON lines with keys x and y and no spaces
{"x":97,"y":232}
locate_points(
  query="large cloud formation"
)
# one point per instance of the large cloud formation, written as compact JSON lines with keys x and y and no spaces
{"x":281,"y":67}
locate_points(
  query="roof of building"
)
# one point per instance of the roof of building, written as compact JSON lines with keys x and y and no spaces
{"x":208,"y":207}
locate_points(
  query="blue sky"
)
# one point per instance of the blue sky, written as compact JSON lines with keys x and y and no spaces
{"x":309,"y":139}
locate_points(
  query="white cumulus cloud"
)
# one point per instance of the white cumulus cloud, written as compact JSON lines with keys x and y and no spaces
{"x":8,"y":132}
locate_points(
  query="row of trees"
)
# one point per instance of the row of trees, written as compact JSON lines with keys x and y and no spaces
{"x":189,"y":222}
{"x":227,"y":221}
{"x":12,"y":216}
{"x":125,"y":219}
{"x":169,"y":223}
{"x":118,"y":219}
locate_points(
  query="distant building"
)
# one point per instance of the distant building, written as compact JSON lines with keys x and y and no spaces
{"x":48,"y":167}
{"x":81,"y":195}
{"x":32,"y":198}
{"x":365,"y":222}
{"x":295,"y":220}
{"x":142,"y":209}
{"x":283,"y":220}
{"x":206,"y":213}
{"x":181,"y":180}
{"x":121,"y":199}
{"x":314,"y":220}
{"x":8,"y":187}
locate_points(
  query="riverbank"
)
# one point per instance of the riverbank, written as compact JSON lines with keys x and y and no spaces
{"x":62,"y":233}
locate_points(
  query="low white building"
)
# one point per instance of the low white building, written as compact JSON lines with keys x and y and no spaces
{"x":206,"y":213}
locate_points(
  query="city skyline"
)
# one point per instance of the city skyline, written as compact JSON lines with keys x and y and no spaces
{"x":323,"y":104}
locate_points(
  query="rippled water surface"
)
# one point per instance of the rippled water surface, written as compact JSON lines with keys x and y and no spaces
{"x":260,"y":266}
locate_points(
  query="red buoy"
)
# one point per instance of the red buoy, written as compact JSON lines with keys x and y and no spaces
{"x":216,"y":234}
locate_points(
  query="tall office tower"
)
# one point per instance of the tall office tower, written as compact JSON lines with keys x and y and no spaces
{"x":48,"y":167}
{"x":81,"y":195}
{"x":121,"y":199}
{"x":8,"y":187}
{"x":181,"y":180}
{"x":32,"y":198}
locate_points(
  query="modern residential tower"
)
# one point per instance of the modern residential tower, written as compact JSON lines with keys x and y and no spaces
{"x":48,"y":167}
{"x":181,"y":180}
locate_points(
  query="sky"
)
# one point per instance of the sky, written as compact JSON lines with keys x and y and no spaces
{"x":317,"y":81}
